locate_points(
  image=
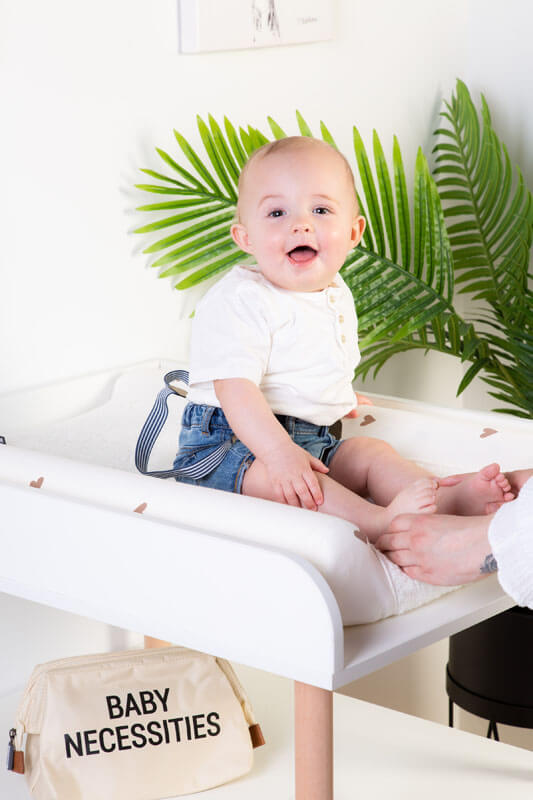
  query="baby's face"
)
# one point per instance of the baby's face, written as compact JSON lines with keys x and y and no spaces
{"x":298,"y":217}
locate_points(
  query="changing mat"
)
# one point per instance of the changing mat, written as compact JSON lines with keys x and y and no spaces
{"x":91,"y":457}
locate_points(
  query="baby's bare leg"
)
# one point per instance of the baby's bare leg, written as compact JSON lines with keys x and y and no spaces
{"x":372,"y":468}
{"x":371,"y":519}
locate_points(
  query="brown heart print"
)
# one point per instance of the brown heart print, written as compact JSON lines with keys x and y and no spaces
{"x":368,"y":419}
{"x":38,"y":483}
{"x":142,"y":507}
{"x":487,"y":432}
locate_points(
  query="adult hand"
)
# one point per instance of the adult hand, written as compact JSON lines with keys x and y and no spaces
{"x":438,"y":549}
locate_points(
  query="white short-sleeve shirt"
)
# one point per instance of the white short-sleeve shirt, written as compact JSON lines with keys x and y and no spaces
{"x":300,"y":348}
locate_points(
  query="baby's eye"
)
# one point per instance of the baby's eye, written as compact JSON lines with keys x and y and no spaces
{"x":277,"y":212}
{"x":321,"y":210}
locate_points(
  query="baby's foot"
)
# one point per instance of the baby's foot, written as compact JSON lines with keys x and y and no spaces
{"x":419,"y":497}
{"x":482,"y":493}
{"x":517,"y":478}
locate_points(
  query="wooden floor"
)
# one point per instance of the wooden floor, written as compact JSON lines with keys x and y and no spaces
{"x":378,"y":754}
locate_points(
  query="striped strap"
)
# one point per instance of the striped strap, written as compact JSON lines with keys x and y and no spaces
{"x":152,"y":428}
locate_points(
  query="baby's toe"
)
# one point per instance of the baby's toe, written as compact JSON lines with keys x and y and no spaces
{"x":503,"y":483}
{"x":426,"y":497}
{"x":489,"y":472}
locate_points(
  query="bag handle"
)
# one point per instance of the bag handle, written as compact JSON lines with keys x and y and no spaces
{"x":153,"y":426}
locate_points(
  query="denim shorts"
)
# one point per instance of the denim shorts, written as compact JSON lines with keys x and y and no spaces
{"x":205,"y":428}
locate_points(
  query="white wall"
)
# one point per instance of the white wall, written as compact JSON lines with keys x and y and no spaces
{"x":499,"y":64}
{"x":93,"y":88}
{"x":89,"y":89}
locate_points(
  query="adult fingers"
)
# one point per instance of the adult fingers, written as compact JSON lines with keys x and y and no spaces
{"x":402,"y":523}
{"x":417,"y":573}
{"x":392,"y":541}
{"x":427,"y":576}
{"x":451,"y":480}
{"x":403,"y":558}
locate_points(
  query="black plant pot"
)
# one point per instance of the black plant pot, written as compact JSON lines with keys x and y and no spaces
{"x":490,"y":669}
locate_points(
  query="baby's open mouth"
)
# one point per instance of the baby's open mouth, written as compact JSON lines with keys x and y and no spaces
{"x":302,"y":254}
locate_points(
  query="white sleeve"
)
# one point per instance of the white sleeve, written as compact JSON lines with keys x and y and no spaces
{"x":511,"y":540}
{"x":230,"y":335}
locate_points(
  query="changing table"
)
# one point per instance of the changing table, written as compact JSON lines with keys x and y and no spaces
{"x":256,"y":605}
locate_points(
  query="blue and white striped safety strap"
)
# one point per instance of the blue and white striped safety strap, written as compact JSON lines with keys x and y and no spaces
{"x":152,"y":428}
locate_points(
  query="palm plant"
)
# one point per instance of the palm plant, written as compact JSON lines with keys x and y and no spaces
{"x":404,"y":272}
{"x":491,"y":226}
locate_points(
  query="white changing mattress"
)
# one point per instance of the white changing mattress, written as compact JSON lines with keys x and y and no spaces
{"x":96,"y":419}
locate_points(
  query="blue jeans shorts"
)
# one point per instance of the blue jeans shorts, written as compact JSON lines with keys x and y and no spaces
{"x":204,"y":428}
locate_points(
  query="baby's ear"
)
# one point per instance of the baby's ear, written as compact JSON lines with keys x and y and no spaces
{"x":358,"y":228}
{"x":239,"y":234}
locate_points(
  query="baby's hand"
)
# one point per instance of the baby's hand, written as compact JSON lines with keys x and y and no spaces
{"x":292,"y":474}
{"x":362,"y":400}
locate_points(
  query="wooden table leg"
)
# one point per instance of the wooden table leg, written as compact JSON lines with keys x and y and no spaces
{"x":313,"y":728}
{"x":149,"y":641}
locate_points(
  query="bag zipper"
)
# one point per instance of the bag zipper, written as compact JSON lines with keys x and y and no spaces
{"x":11,"y":750}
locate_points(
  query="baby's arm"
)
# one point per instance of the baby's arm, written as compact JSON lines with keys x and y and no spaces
{"x":362,"y":400}
{"x":290,"y":467}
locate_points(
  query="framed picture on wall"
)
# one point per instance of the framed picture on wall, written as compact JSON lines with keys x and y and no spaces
{"x":209,"y":25}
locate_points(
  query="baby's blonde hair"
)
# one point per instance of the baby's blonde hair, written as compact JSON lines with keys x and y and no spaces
{"x":292,"y":143}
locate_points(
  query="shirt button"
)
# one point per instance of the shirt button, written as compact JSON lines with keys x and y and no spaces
{"x":343,"y":338}
{"x":341,"y":318}
{"x":331,"y":299}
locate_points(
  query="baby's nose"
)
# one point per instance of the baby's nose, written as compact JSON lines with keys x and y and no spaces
{"x":302,"y":226}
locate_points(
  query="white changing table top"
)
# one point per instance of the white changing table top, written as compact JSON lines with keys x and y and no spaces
{"x":305,"y":641}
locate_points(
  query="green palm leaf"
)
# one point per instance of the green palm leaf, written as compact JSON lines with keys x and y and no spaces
{"x":511,"y":367}
{"x":201,"y":228}
{"x":394,"y":300}
{"x":413,"y":252}
{"x":235,"y":144}
{"x":491,"y":245}
{"x":480,"y":186}
{"x":278,"y":132}
{"x":403,"y":288}
{"x":402,"y":203}
{"x":304,"y":128}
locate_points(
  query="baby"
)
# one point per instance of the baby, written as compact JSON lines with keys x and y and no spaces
{"x":273,"y":353}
